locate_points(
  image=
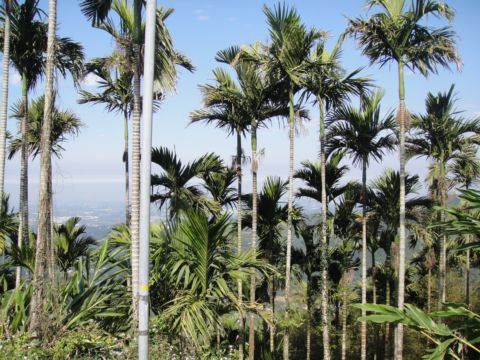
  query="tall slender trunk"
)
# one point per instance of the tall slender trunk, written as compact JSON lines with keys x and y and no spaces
{"x":286,"y":339}
{"x":387,"y":325}
{"x":50,"y":238}
{"x":467,"y":275}
{"x":344,"y":320}
{"x":4,"y":105}
{"x":23,"y":223}
{"x":401,"y":267}
{"x":251,"y":334}
{"x":429,"y":291}
{"x":374,"y":291}
{"x":135,"y":198}
{"x":364,"y":258}
{"x":125,"y":160}
{"x":309,"y":322}
{"x":467,"y":266}
{"x":38,"y":283}
{"x":442,"y":270}
{"x":241,"y":325}
{"x":323,"y":248}
{"x":374,"y":270}
{"x":272,"y":326}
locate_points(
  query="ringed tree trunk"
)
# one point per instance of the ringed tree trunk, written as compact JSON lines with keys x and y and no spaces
{"x":38,"y":283}
{"x":241,"y":326}
{"x":251,"y":334}
{"x":429,"y":290}
{"x":344,"y":318}
{"x":23,"y":223}
{"x":286,"y":339}
{"x":374,"y":286}
{"x":374,"y":290}
{"x":387,"y":325}
{"x":309,"y":322}
{"x":467,"y":275}
{"x":135,"y":199}
{"x":50,"y":236}
{"x":323,"y":248}
{"x":401,"y":267}
{"x":4,"y":105}
{"x":364,"y":258}
{"x":125,"y":160}
{"x":273,"y":293}
{"x":442,"y":270}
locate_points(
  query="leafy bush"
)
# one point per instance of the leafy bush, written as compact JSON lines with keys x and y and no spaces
{"x":455,"y":334}
{"x":88,"y":343}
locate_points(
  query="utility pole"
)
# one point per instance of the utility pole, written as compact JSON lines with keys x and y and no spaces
{"x":145,"y":171}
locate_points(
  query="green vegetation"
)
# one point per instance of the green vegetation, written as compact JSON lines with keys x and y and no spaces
{"x":233,"y":271}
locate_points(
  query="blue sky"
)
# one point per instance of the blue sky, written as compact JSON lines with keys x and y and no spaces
{"x":91,"y":167}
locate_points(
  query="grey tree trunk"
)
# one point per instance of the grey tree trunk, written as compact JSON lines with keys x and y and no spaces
{"x":401,"y":267}
{"x":50,"y":237}
{"x":374,"y":290}
{"x":387,"y":325}
{"x":364,"y":260}
{"x":467,"y":275}
{"x":442,"y":269}
{"x":23,"y":229}
{"x":125,"y":159}
{"x":467,"y":266}
{"x":374,"y":270}
{"x":4,"y":105}
{"x":272,"y":307}
{"x":251,"y":334}
{"x":135,"y":190}
{"x":344,"y":321}
{"x":429,"y":291}
{"x":38,"y":283}
{"x":309,"y":323}
{"x":241,"y":325}
{"x":324,"y":244}
{"x":286,"y":339}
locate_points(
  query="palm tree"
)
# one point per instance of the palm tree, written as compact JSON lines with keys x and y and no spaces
{"x":309,"y":260}
{"x":344,"y":263}
{"x":364,"y":134}
{"x":117,"y":96}
{"x":71,"y":243}
{"x":218,"y":185}
{"x":28,"y":42}
{"x":255,"y":99}
{"x":384,"y":205}
{"x":283,"y":61}
{"x":65,"y":123}
{"x":330,"y":86}
{"x":272,"y":218}
{"x":443,"y":136}
{"x":130,"y":41}
{"x":466,"y":171}
{"x":5,"y":83}
{"x":311,"y":174}
{"x":28,"y":62}
{"x":175,"y":183}
{"x":202,"y":266}
{"x":221,"y":109}
{"x":8,"y":223}
{"x":398,"y":34}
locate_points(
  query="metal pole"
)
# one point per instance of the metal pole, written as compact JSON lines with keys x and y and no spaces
{"x":145,"y":171}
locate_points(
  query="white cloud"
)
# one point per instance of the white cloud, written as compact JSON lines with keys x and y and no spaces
{"x":90,"y":80}
{"x":201,"y":15}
